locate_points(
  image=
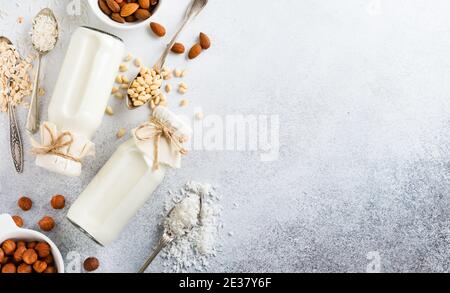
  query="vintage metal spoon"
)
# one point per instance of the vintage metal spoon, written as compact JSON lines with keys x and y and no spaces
{"x":193,"y":10}
{"x":168,"y":237}
{"x":14,"y":136}
{"x":33,"y":114}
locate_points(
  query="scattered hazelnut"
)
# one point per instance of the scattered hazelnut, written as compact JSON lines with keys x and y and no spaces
{"x":9,"y":268}
{"x":58,"y":202}
{"x":91,"y":264}
{"x":18,"y":220}
{"x":29,"y":256}
{"x":24,"y":269}
{"x":50,"y":270}
{"x":43,"y":249}
{"x":25,"y":203}
{"x":46,"y":223}
{"x":40,"y":266}
{"x":18,"y":254}
{"x":9,"y":247}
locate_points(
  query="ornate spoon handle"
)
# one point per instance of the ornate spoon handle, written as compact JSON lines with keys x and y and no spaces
{"x":15,"y":140}
{"x":163,"y":242}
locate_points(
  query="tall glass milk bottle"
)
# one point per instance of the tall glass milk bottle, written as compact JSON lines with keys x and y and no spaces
{"x":127,"y":181}
{"x":79,"y":100}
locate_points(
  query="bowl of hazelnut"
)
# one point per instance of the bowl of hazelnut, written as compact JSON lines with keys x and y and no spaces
{"x":26,"y":251}
{"x":124,"y":14}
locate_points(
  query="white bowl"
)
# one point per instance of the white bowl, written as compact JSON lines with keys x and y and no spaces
{"x":9,"y":230}
{"x":93,"y":4}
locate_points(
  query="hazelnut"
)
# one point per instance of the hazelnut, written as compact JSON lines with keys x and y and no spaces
{"x":43,"y":249}
{"x":46,"y":223}
{"x":2,"y":255}
{"x":91,"y":264}
{"x":18,"y":220}
{"x":40,"y":266}
{"x":29,"y":256}
{"x":19,"y":253}
{"x":24,"y":269}
{"x":58,"y":202}
{"x":5,"y":260}
{"x":32,"y":244}
{"x":25,"y":203}
{"x":9,"y":268}
{"x":9,"y":247}
{"x":50,"y":270}
{"x":49,"y":259}
{"x":21,"y":243}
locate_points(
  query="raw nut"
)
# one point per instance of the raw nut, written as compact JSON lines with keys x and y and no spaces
{"x":9,"y":247}
{"x":43,"y":249}
{"x":113,"y":5}
{"x":168,"y":88}
{"x":178,"y":48}
{"x":131,"y":18}
{"x":49,"y":259}
{"x":123,"y":68}
{"x":2,"y":255}
{"x":138,"y":62}
{"x":39,"y":266}
{"x":205,"y":42}
{"x":91,"y":264}
{"x":142,"y":14}
{"x":117,"y":18}
{"x":50,"y":270}
{"x":24,"y":269}
{"x":184,"y":103}
{"x":58,"y":202}
{"x":121,"y":133}
{"x":31,"y":245}
{"x":119,"y":79}
{"x":119,"y":96}
{"x":18,"y":220}
{"x":25,"y":203}
{"x":21,"y":243}
{"x":128,"y":9}
{"x":18,"y":254}
{"x":195,"y":51}
{"x":158,"y":29}
{"x":104,"y":7}
{"x":47,"y":224}
{"x":144,"y":4}
{"x":109,"y":111}
{"x":9,"y":268}
{"x":29,"y":256}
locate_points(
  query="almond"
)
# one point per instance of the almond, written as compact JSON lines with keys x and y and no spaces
{"x":113,"y":5}
{"x":142,"y":14}
{"x":158,"y":29}
{"x":178,"y":48}
{"x":128,"y":9}
{"x":205,"y":42}
{"x":104,"y":7}
{"x":144,"y":4}
{"x":117,"y":17}
{"x":130,"y":18}
{"x":195,"y":51}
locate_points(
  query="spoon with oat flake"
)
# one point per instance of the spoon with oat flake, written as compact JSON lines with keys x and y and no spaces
{"x":15,"y":139}
{"x":193,"y":10}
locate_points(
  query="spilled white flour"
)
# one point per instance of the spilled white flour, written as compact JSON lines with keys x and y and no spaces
{"x":192,"y":251}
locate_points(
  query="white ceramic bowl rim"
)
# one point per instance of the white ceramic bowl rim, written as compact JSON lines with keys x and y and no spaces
{"x":9,"y":230}
{"x":93,"y":4}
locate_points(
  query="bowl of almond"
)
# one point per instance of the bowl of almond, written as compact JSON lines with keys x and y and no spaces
{"x":124,"y":14}
{"x":26,"y":251}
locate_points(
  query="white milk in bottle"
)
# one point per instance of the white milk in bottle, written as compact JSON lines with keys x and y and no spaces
{"x":79,"y":100}
{"x":130,"y":176}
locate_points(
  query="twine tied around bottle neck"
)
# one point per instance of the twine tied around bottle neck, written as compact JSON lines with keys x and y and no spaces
{"x":57,"y":142}
{"x":160,"y":129}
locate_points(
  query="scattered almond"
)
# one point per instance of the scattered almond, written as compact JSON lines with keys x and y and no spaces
{"x":195,"y":51}
{"x":205,"y":42}
{"x":158,"y":29}
{"x":178,"y":48}
{"x":18,"y":220}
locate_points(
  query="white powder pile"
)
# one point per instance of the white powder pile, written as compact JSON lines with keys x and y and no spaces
{"x":193,"y":251}
{"x":44,"y":33}
{"x":13,"y":67}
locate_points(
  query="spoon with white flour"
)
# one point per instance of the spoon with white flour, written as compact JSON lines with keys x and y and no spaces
{"x":181,"y":219}
{"x":44,"y":36}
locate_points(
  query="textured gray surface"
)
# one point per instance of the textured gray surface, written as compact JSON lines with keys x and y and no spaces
{"x":361,"y":87}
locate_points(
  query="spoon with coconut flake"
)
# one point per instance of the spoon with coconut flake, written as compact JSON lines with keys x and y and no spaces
{"x":45,"y":34}
{"x":176,"y":226}
{"x":15,"y":139}
{"x":192,"y":11}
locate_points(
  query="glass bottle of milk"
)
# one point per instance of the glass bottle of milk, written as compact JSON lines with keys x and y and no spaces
{"x":79,"y":100}
{"x":129,"y":178}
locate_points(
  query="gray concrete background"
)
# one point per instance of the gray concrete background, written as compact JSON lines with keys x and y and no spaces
{"x":361,"y":87}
